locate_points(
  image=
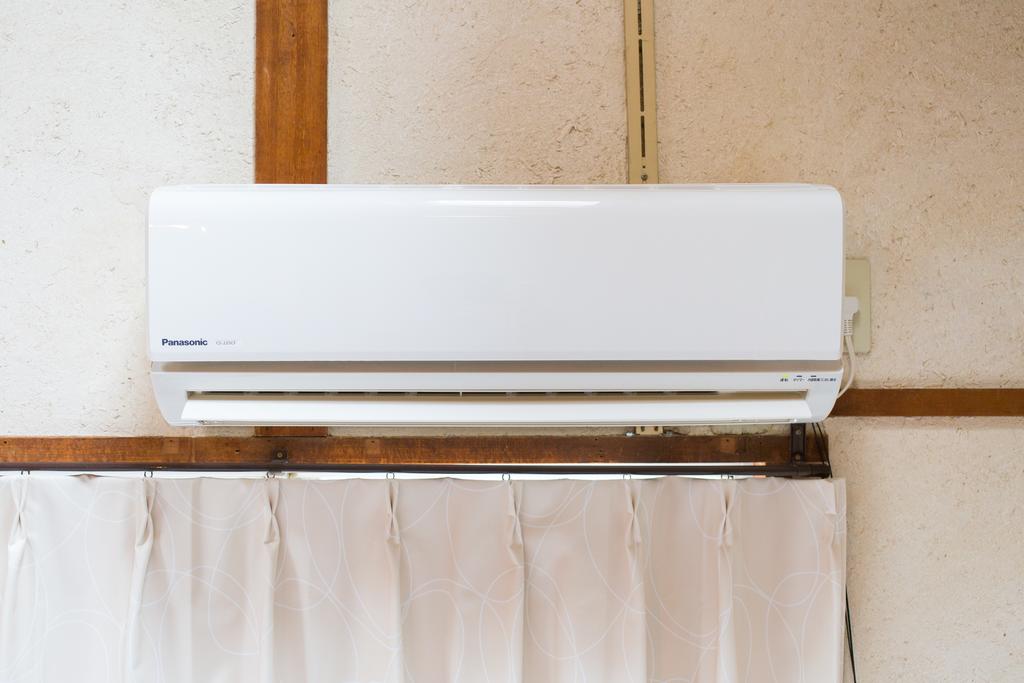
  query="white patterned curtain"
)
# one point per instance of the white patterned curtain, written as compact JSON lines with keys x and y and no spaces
{"x":421,"y":580}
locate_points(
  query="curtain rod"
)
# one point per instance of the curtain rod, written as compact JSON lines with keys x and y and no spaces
{"x":807,"y":470}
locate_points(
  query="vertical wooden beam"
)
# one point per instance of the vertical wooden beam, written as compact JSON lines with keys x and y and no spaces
{"x":291,"y":91}
{"x":291,"y":106}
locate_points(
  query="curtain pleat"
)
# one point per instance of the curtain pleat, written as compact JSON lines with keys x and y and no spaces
{"x":687,"y":587}
{"x":461,"y":581}
{"x":15,"y":637}
{"x":788,"y":579}
{"x":208,"y":594}
{"x":70,"y":560}
{"x":145,"y":496}
{"x":337,"y":606}
{"x":268,"y":581}
{"x":666,"y":579}
{"x":584,"y":591}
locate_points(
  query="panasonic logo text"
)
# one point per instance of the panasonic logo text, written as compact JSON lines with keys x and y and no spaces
{"x":183,"y":342}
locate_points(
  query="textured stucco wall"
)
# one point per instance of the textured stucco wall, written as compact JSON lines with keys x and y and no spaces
{"x":100,"y":103}
{"x":486,"y":91}
{"x":915,"y":111}
{"x":935,"y":547}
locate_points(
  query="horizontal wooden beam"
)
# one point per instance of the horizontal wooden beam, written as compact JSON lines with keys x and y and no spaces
{"x":309,"y":448}
{"x":931,"y":403}
{"x":497,"y":453}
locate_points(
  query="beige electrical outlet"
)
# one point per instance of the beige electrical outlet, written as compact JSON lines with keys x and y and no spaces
{"x":858,"y":284}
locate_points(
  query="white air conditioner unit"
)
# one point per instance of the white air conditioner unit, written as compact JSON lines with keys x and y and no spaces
{"x":494,"y":305}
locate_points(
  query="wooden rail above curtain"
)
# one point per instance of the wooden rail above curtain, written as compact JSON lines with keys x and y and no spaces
{"x":723,"y":454}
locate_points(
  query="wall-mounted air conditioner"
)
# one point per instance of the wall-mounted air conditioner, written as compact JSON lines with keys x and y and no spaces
{"x":490,"y":305}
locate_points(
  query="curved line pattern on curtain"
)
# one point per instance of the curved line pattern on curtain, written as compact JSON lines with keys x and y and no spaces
{"x":421,"y":580}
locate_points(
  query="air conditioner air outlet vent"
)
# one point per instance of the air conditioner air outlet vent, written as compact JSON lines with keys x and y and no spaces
{"x":483,"y":409}
{"x":452,"y":394}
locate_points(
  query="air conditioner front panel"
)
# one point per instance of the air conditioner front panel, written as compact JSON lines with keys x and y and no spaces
{"x":413,"y":273}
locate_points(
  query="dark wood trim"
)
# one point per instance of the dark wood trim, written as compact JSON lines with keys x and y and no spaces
{"x":931,"y":403}
{"x":293,"y":448}
{"x":291,"y":108}
{"x":497,"y":453}
{"x":291,"y":91}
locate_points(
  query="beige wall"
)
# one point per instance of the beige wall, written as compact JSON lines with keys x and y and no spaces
{"x":477,"y":92}
{"x":935,"y":548}
{"x":99,"y":103}
{"x":914,"y":110}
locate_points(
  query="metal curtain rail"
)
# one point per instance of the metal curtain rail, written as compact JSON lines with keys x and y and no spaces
{"x":811,"y":470}
{"x":799,"y":471}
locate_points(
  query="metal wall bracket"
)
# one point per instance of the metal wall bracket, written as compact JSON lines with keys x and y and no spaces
{"x":647,"y":430}
{"x":641,"y":121}
{"x":798,"y":442}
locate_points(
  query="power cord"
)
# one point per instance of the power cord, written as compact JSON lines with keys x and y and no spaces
{"x":851,"y":305}
{"x":822,"y":442}
{"x":849,"y":638}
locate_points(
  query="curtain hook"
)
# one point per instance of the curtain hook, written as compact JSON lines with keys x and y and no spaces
{"x":627,"y":475}
{"x":389,"y":475}
{"x":148,"y":474}
{"x":25,"y":473}
{"x":506,"y":476}
{"x":271,"y":474}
